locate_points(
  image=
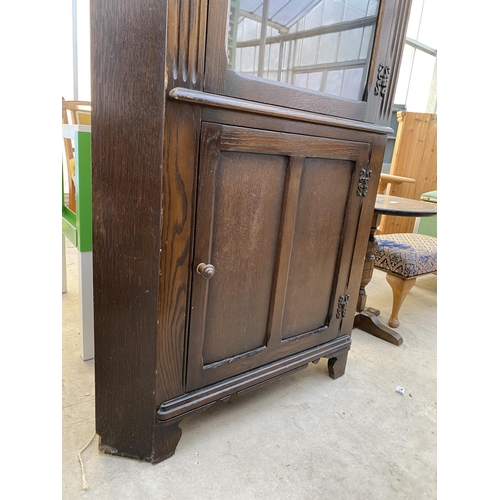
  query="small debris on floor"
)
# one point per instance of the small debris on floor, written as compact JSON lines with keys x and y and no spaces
{"x":400,"y":390}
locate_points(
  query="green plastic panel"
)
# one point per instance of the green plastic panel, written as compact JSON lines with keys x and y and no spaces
{"x":77,"y":227}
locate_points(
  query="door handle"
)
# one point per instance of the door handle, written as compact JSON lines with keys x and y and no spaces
{"x":206,"y":271}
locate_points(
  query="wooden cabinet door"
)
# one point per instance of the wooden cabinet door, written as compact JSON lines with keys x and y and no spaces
{"x":277,"y":216}
{"x":337,"y":58}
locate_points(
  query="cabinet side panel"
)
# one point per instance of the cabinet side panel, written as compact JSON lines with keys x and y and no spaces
{"x":127,"y":146}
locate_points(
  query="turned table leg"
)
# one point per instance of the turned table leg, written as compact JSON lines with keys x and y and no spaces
{"x":367,"y":318}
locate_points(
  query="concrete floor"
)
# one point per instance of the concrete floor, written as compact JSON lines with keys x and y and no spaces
{"x":303,"y":436}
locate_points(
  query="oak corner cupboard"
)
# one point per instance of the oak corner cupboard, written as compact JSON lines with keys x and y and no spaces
{"x":236,"y":148}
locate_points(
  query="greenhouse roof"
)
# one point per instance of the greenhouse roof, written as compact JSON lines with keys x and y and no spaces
{"x":281,"y":12}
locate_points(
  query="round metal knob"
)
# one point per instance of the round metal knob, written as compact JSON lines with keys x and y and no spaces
{"x":206,"y":271}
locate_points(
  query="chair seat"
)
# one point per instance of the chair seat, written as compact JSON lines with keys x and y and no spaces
{"x":406,"y":254}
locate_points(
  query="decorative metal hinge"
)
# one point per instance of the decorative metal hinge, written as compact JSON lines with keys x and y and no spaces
{"x":342,"y":306}
{"x":382,"y":82}
{"x":364,"y":180}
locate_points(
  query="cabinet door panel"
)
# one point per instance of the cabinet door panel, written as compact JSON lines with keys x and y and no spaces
{"x":246,"y":220}
{"x":276,"y":216}
{"x":318,"y":228}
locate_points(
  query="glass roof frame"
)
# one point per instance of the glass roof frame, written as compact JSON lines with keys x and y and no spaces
{"x":296,"y":10}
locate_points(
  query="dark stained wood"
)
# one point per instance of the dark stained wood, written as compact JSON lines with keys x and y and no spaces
{"x":174,"y":410}
{"x":194,"y":164}
{"x":387,"y":52}
{"x":317,"y":239}
{"x":285,"y":124}
{"x":274,"y":298}
{"x":165,"y":441}
{"x":280,"y":111}
{"x":284,"y":251}
{"x":210,"y":149}
{"x":185,"y":43}
{"x":128,"y":103}
{"x":337,"y":364}
{"x":247,"y":211}
{"x":368,"y":321}
{"x":184,"y":66}
{"x":249,"y":140}
{"x":363,"y":234}
{"x":398,"y":19}
{"x":368,"y":267}
{"x":403,"y":207}
{"x":179,"y":183}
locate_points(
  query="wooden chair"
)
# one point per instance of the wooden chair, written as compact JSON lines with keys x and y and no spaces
{"x":73,"y":112}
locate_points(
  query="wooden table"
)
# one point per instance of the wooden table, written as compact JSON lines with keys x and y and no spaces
{"x":367,"y":318}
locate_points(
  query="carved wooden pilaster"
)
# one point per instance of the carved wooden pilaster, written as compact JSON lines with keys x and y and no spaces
{"x":186,"y":21}
{"x":386,"y":59}
{"x":185,"y":56}
{"x":393,"y":58}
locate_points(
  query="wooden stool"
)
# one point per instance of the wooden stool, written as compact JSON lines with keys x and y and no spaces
{"x":404,"y":257}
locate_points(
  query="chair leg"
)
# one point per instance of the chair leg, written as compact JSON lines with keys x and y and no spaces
{"x":400,"y":288}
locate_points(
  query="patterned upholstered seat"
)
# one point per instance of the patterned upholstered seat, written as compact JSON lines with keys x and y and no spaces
{"x":406,"y":254}
{"x":404,"y":257}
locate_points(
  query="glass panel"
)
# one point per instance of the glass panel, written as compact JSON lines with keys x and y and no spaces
{"x":322,"y":45}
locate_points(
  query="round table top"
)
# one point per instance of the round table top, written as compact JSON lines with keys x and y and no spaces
{"x":395,"y":205}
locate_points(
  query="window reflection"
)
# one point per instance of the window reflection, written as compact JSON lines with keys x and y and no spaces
{"x":322,"y":45}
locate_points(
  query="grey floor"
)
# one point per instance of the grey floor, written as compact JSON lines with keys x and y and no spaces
{"x":303,"y":436}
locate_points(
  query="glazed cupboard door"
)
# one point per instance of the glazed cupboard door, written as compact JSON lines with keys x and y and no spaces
{"x":335,"y":57}
{"x":276,"y":222}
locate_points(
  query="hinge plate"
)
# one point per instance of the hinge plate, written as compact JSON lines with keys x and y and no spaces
{"x":342,"y":306}
{"x":364,"y":181}
{"x":382,"y":82}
